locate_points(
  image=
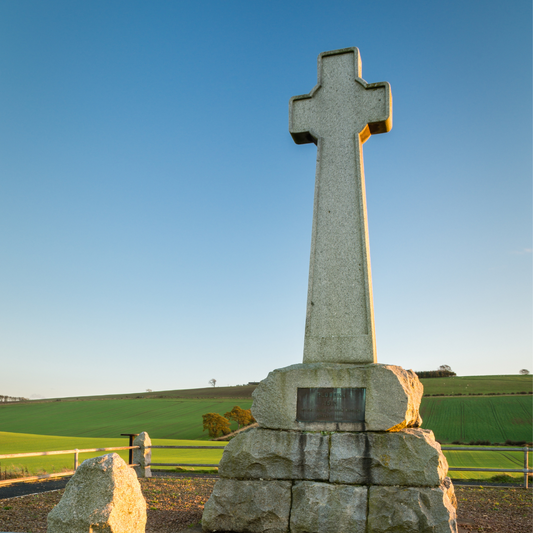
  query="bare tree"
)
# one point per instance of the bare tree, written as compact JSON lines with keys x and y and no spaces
{"x":148,"y":390}
{"x":213,"y":382}
{"x":524,"y":372}
{"x":447,"y":368}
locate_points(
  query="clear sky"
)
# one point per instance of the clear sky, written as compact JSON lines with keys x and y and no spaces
{"x":155,"y":214}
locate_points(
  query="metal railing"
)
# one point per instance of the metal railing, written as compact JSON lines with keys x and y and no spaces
{"x":185,"y":448}
{"x":526,"y":470}
{"x":76,"y":453}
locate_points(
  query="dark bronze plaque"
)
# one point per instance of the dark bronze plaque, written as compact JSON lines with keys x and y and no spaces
{"x":331,"y":405}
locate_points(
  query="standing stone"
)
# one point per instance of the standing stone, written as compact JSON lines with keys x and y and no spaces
{"x":142,"y":456}
{"x":103,"y":495}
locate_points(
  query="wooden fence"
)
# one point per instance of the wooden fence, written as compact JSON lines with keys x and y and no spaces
{"x":145,"y":454}
{"x":526,"y":470}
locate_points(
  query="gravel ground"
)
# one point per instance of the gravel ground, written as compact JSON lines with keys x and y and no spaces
{"x":174,"y":504}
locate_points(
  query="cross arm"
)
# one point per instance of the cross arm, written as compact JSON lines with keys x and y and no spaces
{"x":300,"y":113}
{"x":380,"y":99}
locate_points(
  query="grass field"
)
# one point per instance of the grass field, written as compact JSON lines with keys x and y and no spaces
{"x":491,"y":418}
{"x":24,"y":443}
{"x":21,"y":443}
{"x":465,"y":418}
{"x":161,"y":418}
{"x":478,"y":385}
{"x":485,"y":459}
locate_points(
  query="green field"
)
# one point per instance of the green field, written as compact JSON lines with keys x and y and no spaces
{"x":465,"y":418}
{"x":485,"y":459}
{"x":176,"y":416}
{"x":21,"y":443}
{"x":478,"y":385}
{"x":472,"y":418}
{"x":162,"y":419}
{"x":24,"y":443}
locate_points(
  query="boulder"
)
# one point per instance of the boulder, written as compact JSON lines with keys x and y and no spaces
{"x":268,"y":454}
{"x":250,"y":506}
{"x":327,"y":508}
{"x":392,"y":395}
{"x":103,"y":495}
{"x":410,"y":510}
{"x":410,"y":457}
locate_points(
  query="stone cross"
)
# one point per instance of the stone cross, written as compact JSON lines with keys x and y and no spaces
{"x":339,"y":115}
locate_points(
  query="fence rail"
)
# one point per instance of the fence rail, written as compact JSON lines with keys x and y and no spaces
{"x":185,"y":448}
{"x":76,"y":452}
{"x":526,"y":470}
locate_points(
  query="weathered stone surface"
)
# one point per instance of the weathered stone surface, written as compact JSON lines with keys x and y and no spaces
{"x":410,"y":510}
{"x":103,"y":495}
{"x":410,"y":457}
{"x":450,"y":491}
{"x":392,"y":396}
{"x":248,"y":506}
{"x":143,"y":455}
{"x":327,"y":508}
{"x":267,"y":454}
{"x":341,"y":111}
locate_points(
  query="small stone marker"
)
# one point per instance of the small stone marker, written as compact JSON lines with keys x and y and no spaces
{"x":338,"y":446}
{"x":103,"y":495}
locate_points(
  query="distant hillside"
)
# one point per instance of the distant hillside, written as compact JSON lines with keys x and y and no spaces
{"x":450,"y":386}
{"x":489,"y":408}
{"x":236,"y":392}
{"x":475,"y":385}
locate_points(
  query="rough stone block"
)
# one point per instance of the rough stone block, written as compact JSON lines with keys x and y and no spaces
{"x":248,"y":506}
{"x":410,"y":510}
{"x":143,"y":455}
{"x":267,"y":454}
{"x":327,"y":508}
{"x":392,"y":396}
{"x":103,"y":495}
{"x":410,"y":457}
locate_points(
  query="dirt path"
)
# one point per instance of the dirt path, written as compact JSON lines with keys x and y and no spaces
{"x":175,"y":504}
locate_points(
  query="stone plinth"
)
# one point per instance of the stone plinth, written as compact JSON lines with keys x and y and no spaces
{"x":420,"y":510}
{"x":267,"y":454}
{"x":410,"y":457}
{"x":327,"y":508}
{"x":291,"y":481}
{"x":251,"y":506}
{"x":392,"y":396}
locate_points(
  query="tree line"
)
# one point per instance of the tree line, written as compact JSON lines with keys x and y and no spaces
{"x":444,"y":371}
{"x":217,"y":424}
{"x":12,"y":399}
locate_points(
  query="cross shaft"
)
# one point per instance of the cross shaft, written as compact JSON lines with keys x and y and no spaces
{"x":339,"y":115}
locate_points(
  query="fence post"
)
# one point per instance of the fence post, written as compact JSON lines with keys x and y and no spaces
{"x":76,"y":460}
{"x":526,"y":466}
{"x":143,"y":455}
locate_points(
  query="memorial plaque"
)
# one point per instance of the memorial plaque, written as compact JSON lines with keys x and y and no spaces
{"x":345,"y":404}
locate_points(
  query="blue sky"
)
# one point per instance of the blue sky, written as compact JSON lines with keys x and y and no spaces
{"x":155,"y":214}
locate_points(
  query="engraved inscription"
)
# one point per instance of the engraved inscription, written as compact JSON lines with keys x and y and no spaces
{"x":346,"y":404}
